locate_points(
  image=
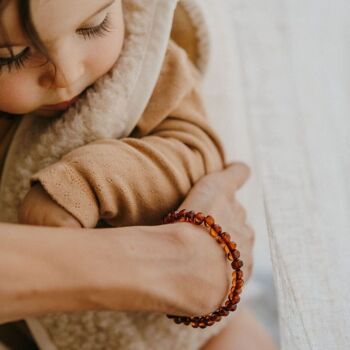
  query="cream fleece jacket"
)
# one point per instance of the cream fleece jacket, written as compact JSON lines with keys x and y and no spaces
{"x":138,"y":179}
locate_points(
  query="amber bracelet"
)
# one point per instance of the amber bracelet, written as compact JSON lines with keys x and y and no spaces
{"x":232,"y":254}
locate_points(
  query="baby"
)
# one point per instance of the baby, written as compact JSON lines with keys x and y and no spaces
{"x":102,"y":124}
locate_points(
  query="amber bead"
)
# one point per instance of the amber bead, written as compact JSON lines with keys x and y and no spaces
{"x":199,"y":218}
{"x":210,"y":323}
{"x":232,"y":307}
{"x":213,"y":233}
{"x":202,"y":324}
{"x":232,"y":245}
{"x":217,"y":318}
{"x":238,"y":290}
{"x":234,"y":281}
{"x":234,"y":275}
{"x":234,"y":298}
{"x":216,"y":228}
{"x":237,"y":264}
{"x":236,"y":254}
{"x":187,"y":321}
{"x":226,"y":249}
{"x":194,"y":324}
{"x":230,"y":257}
{"x":239,"y":283}
{"x":224,"y":312}
{"x":209,"y":221}
{"x":239,"y":274}
{"x":190,"y":216}
{"x":220,"y":241}
{"x":226,"y":237}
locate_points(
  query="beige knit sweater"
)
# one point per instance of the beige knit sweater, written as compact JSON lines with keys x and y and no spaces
{"x":138,"y":179}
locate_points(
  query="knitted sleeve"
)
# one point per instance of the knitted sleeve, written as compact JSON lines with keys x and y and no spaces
{"x":138,"y":179}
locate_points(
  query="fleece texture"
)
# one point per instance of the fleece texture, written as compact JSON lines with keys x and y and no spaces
{"x":123,"y":97}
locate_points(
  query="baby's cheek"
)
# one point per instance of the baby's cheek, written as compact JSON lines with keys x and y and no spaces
{"x":17,"y":93}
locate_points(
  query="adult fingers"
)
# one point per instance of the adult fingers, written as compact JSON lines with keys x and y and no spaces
{"x":236,"y":174}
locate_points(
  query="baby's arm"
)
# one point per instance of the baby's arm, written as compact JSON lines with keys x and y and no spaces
{"x":136,"y":180}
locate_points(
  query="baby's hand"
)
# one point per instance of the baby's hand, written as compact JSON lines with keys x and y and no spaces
{"x":38,"y":208}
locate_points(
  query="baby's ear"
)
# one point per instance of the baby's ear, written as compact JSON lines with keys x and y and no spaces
{"x":184,"y":33}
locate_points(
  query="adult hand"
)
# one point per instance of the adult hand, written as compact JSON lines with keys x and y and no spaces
{"x":214,"y":194}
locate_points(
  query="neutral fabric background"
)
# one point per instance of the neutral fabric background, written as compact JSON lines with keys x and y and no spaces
{"x":288,"y":73}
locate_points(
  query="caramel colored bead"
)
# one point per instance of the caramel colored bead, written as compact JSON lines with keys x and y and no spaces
{"x":217,"y":228}
{"x":232,"y":307}
{"x":234,"y":298}
{"x":239,"y":274}
{"x":226,"y":237}
{"x":232,"y":245}
{"x":237,"y":264}
{"x":230,"y":257}
{"x":236,"y":254}
{"x":218,"y":318}
{"x":202,"y":325}
{"x":239,"y":283}
{"x":234,"y":275}
{"x":213,"y":233}
{"x":210,"y":323}
{"x":199,"y":218}
{"x":209,"y":221}
{"x":190,"y":215}
{"x":194,"y":324}
{"x":181,"y":213}
{"x":227,"y":303}
{"x":238,"y":290}
{"x":187,"y":321}
{"x":226,"y":249}
{"x":220,"y":241}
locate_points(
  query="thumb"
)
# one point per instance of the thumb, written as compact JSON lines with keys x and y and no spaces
{"x":236,"y":173}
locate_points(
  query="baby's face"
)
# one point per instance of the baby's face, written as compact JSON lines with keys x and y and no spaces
{"x":84,"y":39}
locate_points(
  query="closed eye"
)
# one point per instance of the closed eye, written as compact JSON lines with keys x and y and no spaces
{"x":96,"y":31}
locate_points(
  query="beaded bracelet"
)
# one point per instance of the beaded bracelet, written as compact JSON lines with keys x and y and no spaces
{"x":232,"y":254}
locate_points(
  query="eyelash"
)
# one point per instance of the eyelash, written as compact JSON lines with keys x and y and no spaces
{"x":18,"y":61}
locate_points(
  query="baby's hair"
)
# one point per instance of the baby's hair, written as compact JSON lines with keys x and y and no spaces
{"x":25,"y":19}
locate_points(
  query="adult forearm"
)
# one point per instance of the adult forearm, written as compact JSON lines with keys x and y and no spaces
{"x":44,"y":270}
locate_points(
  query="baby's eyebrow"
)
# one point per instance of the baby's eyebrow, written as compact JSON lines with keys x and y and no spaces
{"x":6,"y":45}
